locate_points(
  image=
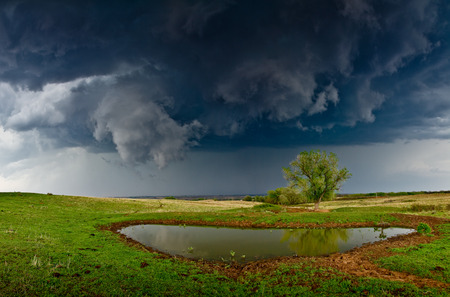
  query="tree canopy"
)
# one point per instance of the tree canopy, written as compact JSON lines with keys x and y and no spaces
{"x":316,"y":174}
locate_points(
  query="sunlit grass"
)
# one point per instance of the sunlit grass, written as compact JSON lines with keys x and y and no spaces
{"x":416,"y":260}
{"x":403,"y":203}
{"x":121,"y":205}
{"x":52,"y":245}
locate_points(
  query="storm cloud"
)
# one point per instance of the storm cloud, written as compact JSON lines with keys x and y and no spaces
{"x":153,"y":79}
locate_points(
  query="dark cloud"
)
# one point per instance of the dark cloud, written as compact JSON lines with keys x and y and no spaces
{"x":135,"y":116}
{"x":155,"y":78}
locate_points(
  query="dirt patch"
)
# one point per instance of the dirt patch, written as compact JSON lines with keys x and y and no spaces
{"x":298,"y":209}
{"x":358,"y":262}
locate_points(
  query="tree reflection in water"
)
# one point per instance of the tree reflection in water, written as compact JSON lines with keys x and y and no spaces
{"x":314,"y":242}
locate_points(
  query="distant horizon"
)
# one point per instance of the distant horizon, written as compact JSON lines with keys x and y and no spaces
{"x":229,"y":195}
{"x":263,"y":194}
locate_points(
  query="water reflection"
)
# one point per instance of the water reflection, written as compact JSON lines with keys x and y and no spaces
{"x":315,"y":242}
{"x":243,"y":245}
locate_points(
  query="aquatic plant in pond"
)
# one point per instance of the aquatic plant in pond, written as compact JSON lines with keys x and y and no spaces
{"x":424,"y":228}
{"x":243,"y":245}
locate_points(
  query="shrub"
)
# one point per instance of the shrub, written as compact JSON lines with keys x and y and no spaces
{"x":256,"y":198}
{"x":424,"y":228}
{"x":286,"y":196}
{"x":259,"y":198}
{"x":290,"y":196}
{"x":248,"y":198}
{"x":273,"y":196}
{"x":267,"y":206}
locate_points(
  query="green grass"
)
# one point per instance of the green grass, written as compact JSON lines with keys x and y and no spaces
{"x":52,"y":246}
{"x":417,"y":259}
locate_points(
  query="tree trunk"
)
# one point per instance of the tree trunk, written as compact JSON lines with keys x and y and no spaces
{"x":316,"y":205}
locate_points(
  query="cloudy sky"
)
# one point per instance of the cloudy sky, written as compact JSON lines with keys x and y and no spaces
{"x":174,"y":97}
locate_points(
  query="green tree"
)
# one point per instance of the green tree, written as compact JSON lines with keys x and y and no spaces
{"x":316,"y":175}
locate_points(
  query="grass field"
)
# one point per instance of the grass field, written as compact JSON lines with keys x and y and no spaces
{"x":58,"y":246}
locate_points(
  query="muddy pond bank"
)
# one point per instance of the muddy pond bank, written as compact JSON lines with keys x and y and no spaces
{"x":358,"y":262}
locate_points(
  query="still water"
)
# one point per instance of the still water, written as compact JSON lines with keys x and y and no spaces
{"x":243,"y":245}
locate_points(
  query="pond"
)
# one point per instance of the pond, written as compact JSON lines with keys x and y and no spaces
{"x":244,"y":245}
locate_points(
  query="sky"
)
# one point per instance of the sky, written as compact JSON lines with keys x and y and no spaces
{"x":177,"y":97}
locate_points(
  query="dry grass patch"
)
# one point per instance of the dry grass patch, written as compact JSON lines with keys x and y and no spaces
{"x":399,"y":201}
{"x":199,"y":206}
{"x":175,"y":205}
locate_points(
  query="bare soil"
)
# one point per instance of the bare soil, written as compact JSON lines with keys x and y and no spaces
{"x":358,"y":262}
